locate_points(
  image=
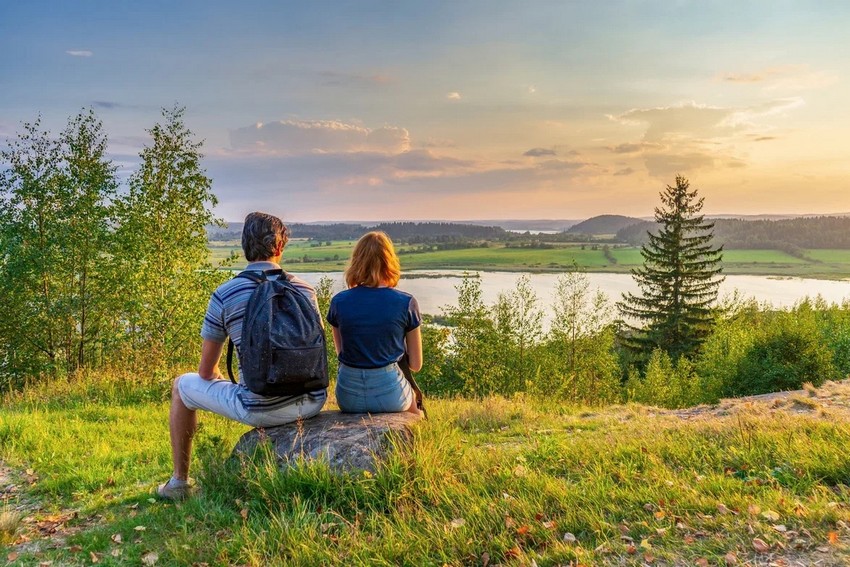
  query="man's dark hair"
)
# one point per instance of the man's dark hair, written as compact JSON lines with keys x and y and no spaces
{"x":261,"y":235}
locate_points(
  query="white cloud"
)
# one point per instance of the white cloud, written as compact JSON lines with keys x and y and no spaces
{"x":784,"y":78}
{"x":329,"y":136}
{"x":80,"y":52}
{"x":531,"y":89}
{"x":453,"y":96}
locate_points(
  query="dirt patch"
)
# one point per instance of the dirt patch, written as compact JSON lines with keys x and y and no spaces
{"x":830,"y":401}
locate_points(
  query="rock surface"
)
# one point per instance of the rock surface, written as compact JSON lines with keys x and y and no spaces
{"x":348,"y":441}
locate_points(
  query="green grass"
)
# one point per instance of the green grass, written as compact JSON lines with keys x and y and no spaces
{"x":828,"y":264}
{"x":506,"y":478}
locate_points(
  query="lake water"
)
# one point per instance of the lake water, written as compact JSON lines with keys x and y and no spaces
{"x":438,"y":289}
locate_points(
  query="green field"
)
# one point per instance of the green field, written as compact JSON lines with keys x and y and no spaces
{"x":515,"y":482}
{"x":305,"y":256}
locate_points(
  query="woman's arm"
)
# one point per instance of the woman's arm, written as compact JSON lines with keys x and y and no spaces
{"x":337,"y":339}
{"x":413,"y":343}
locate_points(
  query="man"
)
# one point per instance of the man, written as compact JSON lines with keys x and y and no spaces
{"x":263,"y":240}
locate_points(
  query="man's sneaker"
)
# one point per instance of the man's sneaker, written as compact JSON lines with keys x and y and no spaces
{"x":175,"y":491}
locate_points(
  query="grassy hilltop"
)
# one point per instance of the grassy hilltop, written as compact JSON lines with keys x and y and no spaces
{"x":495,"y":481}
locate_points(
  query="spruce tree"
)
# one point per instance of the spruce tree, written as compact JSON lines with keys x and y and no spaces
{"x":678,"y":281}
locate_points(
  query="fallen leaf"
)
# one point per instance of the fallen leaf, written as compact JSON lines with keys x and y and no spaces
{"x":661,"y":531}
{"x":644,"y":544}
{"x":509,"y":522}
{"x":244,"y":513}
{"x":12,"y":557}
{"x":485,"y":559}
{"x":648,"y":557}
{"x":523,"y":530}
{"x":116,"y":552}
{"x":513,"y":553}
{"x":689,"y":539}
{"x":701,"y":562}
{"x":538,"y":516}
{"x":770,"y":515}
{"x":152,"y":500}
{"x":660,"y":515}
{"x":833,"y":538}
{"x":457,"y":522}
{"x":760,"y":546}
{"x":116,"y":538}
{"x":753,"y":509}
{"x":549,"y":525}
{"x":631,"y":549}
{"x":94,"y":557}
{"x":722,"y":509}
{"x":780,"y":528}
{"x":150,"y":558}
{"x":731,"y":558}
{"x":140,"y":528}
{"x":75,"y":548}
{"x":569,"y":538}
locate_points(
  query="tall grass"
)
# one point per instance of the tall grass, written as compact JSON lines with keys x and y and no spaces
{"x":496,"y":478}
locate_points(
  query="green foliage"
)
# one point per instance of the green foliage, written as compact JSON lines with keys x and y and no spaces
{"x":784,"y":355}
{"x":581,"y":365}
{"x":324,"y":292}
{"x":91,"y":276}
{"x":55,"y":205}
{"x":678,"y":281}
{"x":665,"y":383}
{"x":474,"y":363}
{"x":161,"y":247}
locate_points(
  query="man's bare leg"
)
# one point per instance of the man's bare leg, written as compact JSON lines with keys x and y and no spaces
{"x":182,"y":424}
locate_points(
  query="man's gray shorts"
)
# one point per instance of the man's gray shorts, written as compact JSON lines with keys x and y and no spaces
{"x":221,"y":397}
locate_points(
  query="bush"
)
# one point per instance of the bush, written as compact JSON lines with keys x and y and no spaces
{"x":665,"y":384}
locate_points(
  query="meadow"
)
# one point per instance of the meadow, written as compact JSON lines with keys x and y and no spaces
{"x":823,"y":264}
{"x":491,"y":481}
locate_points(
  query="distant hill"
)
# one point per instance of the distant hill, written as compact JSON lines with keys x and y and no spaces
{"x":789,"y":235}
{"x":604,"y":224}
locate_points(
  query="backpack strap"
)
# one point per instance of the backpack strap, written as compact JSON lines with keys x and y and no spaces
{"x":258,"y":277}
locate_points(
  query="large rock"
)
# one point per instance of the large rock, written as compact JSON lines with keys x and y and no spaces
{"x":348,"y":441}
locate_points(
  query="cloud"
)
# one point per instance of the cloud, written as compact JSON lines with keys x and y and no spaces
{"x":784,"y":77}
{"x":531,"y":89}
{"x":302,"y":136}
{"x":624,"y":171}
{"x":80,"y":52}
{"x":747,"y":116}
{"x":631,"y":148}
{"x":688,"y":118}
{"x":538,"y":152}
{"x":764,"y":138}
{"x":453,"y":96}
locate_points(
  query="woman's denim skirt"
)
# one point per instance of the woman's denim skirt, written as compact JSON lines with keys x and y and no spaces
{"x":372,"y":390}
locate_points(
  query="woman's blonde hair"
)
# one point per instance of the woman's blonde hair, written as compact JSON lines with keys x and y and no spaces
{"x":373,"y":262}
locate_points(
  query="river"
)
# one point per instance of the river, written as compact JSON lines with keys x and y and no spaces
{"x":435,"y":289}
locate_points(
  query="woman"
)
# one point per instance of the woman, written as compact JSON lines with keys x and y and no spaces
{"x":374,"y":325}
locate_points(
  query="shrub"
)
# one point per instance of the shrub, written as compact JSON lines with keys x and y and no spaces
{"x":784,"y":355}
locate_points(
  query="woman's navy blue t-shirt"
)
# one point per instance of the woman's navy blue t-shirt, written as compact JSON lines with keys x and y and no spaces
{"x":372,"y":322}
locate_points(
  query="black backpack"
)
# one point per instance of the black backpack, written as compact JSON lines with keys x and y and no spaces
{"x":282,"y":351}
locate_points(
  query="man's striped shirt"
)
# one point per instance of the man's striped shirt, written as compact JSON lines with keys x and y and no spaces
{"x":223,"y":319}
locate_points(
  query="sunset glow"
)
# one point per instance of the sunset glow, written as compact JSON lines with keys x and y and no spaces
{"x":458,"y":110}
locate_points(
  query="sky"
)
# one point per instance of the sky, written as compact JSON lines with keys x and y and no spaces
{"x":457,"y":110}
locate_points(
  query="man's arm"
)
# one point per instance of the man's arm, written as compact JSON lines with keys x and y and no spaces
{"x":210,"y":355}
